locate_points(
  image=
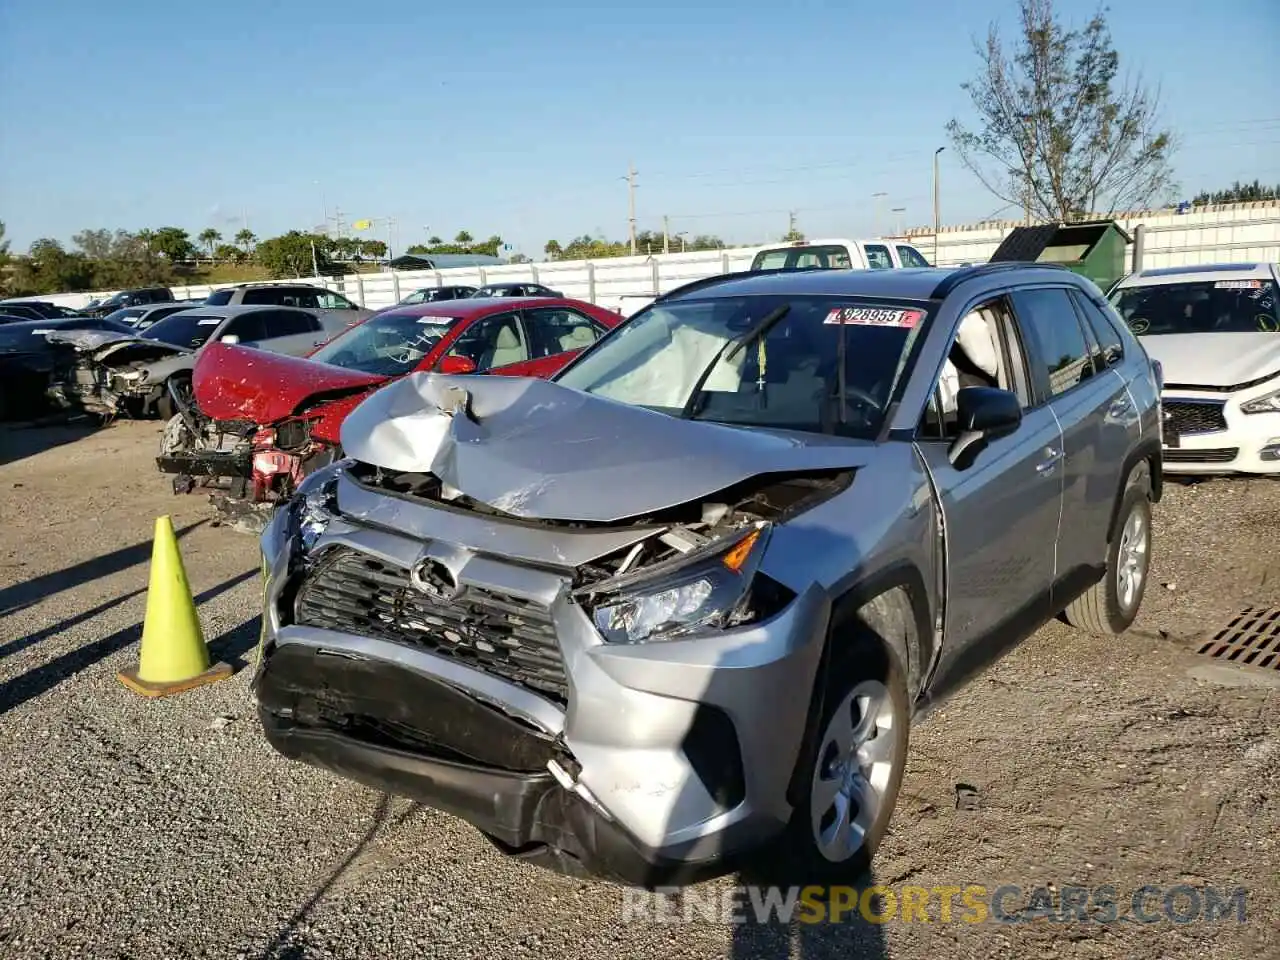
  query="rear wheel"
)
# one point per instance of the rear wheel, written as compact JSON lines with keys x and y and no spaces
{"x":1111,"y":605}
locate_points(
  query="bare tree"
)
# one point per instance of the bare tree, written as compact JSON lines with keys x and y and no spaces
{"x":1056,"y":132}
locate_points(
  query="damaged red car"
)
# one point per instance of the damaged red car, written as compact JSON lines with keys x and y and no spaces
{"x":260,"y":422}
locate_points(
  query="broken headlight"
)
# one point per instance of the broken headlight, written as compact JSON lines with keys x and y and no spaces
{"x":1267,"y":403}
{"x":714,"y":589}
{"x":312,"y":508}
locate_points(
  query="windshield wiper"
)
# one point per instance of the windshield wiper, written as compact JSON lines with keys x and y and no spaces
{"x":729,"y":351}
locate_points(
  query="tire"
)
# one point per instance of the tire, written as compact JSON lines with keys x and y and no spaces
{"x":861,"y":673}
{"x":1111,"y":605}
{"x":165,"y":406}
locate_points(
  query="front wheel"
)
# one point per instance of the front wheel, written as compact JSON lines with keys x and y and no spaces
{"x":165,"y":406}
{"x":854,"y":771}
{"x":1111,"y":605}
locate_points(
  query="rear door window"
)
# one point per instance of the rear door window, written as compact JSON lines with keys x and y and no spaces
{"x":911,"y":257}
{"x":1109,"y":344}
{"x":1060,"y":356}
{"x":554,"y":330}
{"x":878,"y":256}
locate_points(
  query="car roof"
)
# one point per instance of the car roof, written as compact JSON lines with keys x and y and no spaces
{"x":469,"y":307}
{"x":911,"y":283}
{"x":1201,"y":271}
{"x":231,"y":310}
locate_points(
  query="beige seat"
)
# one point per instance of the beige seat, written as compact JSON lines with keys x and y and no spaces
{"x":508,"y":348}
{"x":579,"y":338}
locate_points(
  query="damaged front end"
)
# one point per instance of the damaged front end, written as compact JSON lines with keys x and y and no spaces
{"x":111,"y":374}
{"x":581,"y":680}
{"x":248,"y":470}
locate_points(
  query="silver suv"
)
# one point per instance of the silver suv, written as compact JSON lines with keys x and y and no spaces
{"x":304,"y":296}
{"x":676,"y":609}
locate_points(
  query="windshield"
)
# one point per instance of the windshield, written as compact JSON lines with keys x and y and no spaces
{"x":1202,"y":306}
{"x":832,"y":257}
{"x":185,"y":328}
{"x":388,"y":344}
{"x":126,"y":314}
{"x":219,"y":298}
{"x":690,"y":358}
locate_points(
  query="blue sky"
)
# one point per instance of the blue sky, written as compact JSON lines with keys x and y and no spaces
{"x":520,"y":118}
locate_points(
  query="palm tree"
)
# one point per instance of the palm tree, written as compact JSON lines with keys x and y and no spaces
{"x":210,"y":238}
{"x":463,"y":237}
{"x":552,"y":249}
{"x":434,"y":241}
{"x":246,"y":239}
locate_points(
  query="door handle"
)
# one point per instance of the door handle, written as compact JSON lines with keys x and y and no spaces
{"x":1052,"y":459}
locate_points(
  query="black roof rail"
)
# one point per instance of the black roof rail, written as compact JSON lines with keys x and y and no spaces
{"x":728,"y":277}
{"x":957,"y":277}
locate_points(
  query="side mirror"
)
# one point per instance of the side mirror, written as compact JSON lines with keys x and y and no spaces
{"x":230,"y":338}
{"x":457,"y":365}
{"x":984,"y":414}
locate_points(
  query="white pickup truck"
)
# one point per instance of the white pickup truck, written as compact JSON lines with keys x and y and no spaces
{"x":839,"y":254}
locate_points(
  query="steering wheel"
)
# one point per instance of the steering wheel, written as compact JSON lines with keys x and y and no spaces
{"x":1267,"y":323}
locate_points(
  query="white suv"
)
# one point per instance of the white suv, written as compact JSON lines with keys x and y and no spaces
{"x":1215,"y":329}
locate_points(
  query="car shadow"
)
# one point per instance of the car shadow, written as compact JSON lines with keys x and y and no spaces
{"x":31,"y":591}
{"x":39,"y":680}
{"x":21,"y":440}
{"x":289,"y":942}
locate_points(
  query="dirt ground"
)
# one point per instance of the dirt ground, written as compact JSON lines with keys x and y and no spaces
{"x":134,"y":827}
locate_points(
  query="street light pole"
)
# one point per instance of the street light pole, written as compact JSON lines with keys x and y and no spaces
{"x":877,"y":197}
{"x":937,"y":206}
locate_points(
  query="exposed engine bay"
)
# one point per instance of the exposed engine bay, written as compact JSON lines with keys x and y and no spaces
{"x":679,"y":530}
{"x":248,"y":469}
{"x":109,"y":374}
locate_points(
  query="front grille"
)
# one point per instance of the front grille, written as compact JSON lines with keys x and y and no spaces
{"x":503,"y":635}
{"x":1220,"y":455}
{"x":1187,"y":417}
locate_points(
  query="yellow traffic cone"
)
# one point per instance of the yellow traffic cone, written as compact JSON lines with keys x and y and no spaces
{"x":174,"y":656}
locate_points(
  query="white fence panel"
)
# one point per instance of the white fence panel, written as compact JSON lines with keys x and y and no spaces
{"x":1235,"y":232}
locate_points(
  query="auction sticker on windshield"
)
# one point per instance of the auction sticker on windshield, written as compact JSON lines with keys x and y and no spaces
{"x":1238,"y":285}
{"x":874,"y":316}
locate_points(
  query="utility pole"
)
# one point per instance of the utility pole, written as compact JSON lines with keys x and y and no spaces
{"x":897,"y":220}
{"x":666,"y":234}
{"x":791,"y":223}
{"x":631,"y":198}
{"x":878,"y":198}
{"x":937,"y":206}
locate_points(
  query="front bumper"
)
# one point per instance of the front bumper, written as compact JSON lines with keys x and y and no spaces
{"x":664,"y":759}
{"x":1206,"y":433}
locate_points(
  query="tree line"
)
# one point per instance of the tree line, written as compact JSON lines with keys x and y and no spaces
{"x":100,"y":259}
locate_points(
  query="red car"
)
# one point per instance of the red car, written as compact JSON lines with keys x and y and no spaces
{"x":264,"y":420}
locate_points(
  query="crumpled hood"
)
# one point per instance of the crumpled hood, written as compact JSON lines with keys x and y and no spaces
{"x":121,"y":348}
{"x":240,"y":383}
{"x":86,"y":340}
{"x":535,"y":449}
{"x":1215,"y":359}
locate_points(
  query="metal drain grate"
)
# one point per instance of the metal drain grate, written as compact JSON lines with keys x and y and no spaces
{"x":1251,"y":639}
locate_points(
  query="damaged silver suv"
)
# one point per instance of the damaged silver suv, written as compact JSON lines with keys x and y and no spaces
{"x":673,"y":612}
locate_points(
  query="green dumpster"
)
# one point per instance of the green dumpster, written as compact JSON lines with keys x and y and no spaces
{"x":1094,"y":248}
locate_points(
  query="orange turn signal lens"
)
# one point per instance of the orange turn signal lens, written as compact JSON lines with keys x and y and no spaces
{"x":736,"y":557}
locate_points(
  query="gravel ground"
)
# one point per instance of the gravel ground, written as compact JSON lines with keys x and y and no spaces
{"x":169,"y":828}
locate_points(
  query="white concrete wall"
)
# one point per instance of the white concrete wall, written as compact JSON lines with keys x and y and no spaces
{"x":1232,"y":233}
{"x":1236,"y":232}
